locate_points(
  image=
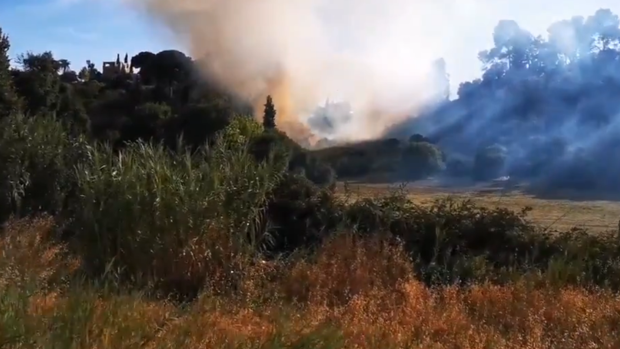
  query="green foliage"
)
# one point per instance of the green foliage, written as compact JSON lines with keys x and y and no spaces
{"x":152,"y":112}
{"x":71,"y":111}
{"x":39,"y":83}
{"x":418,"y":138}
{"x":198,"y":123}
{"x":36,"y":165}
{"x":146,"y":121}
{"x":301,"y":213}
{"x":242,"y":130}
{"x":9,"y":102}
{"x":152,"y":213}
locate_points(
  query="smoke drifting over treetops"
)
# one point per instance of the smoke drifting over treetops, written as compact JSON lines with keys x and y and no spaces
{"x":375,"y":54}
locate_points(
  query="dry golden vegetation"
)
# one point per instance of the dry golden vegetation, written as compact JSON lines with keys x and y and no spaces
{"x":556,"y":214}
{"x":355,"y":293}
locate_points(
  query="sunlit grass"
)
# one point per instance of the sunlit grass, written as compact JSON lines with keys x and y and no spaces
{"x":555,"y":214}
{"x":354,"y":293}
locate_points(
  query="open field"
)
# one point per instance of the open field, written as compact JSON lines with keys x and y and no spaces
{"x":555,"y":214}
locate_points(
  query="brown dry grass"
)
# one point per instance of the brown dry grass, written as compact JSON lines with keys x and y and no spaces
{"x":556,"y":214}
{"x":354,"y":294}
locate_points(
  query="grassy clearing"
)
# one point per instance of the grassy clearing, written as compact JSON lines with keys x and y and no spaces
{"x":555,"y":214}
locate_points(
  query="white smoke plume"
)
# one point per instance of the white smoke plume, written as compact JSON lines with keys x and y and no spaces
{"x":374,"y":54}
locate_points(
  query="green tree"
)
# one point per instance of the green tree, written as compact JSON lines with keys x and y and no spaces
{"x":71,"y":111}
{"x":269,"y":116}
{"x":9,"y":101}
{"x":84,"y":74}
{"x":171,"y":68}
{"x":198,"y":123}
{"x":146,"y":120}
{"x":38,"y":82}
{"x":64,"y":64}
{"x":69,"y":77}
{"x":144,"y":62}
{"x":89,"y":72}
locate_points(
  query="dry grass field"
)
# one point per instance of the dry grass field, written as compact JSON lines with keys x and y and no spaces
{"x":355,"y":294}
{"x":555,"y":214}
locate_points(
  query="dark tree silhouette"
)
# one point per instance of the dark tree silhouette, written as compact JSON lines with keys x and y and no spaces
{"x":8,"y":98}
{"x":269,"y":115}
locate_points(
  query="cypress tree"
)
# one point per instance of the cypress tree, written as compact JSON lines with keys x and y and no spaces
{"x":269,"y":116}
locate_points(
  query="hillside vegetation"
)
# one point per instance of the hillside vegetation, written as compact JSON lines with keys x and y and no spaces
{"x":155,"y":212}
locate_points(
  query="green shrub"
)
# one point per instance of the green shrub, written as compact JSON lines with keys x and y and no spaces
{"x":174,"y":217}
{"x":36,"y":165}
{"x":301,"y":214}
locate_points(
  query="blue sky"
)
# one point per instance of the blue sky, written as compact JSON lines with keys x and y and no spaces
{"x":78,"y":30}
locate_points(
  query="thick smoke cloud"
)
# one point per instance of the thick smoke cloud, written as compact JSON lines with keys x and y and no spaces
{"x":374,"y":54}
{"x":549,"y":103}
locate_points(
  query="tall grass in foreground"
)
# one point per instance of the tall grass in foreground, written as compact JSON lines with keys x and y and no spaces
{"x":153,"y":215}
{"x":355,"y":293}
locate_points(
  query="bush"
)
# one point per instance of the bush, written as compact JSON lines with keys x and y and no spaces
{"x":458,"y":242}
{"x":320,"y":173}
{"x":198,"y":123}
{"x":301,"y":214}
{"x":36,"y":165}
{"x":242,"y":130}
{"x":146,"y":121}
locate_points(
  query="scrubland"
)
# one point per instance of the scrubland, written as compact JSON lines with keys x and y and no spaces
{"x":212,"y":249}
